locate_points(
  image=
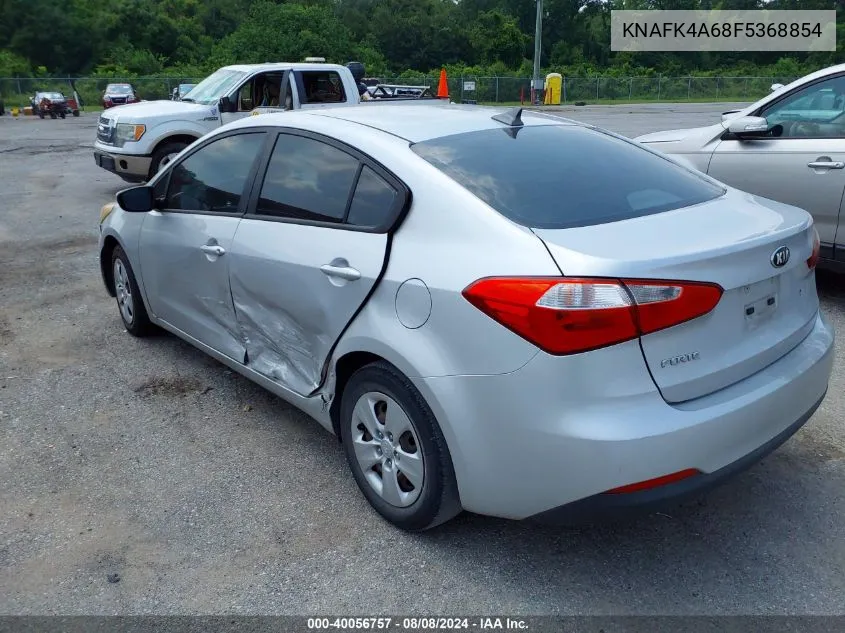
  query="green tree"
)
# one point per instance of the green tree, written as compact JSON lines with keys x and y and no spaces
{"x":286,"y":32}
{"x":495,"y":37}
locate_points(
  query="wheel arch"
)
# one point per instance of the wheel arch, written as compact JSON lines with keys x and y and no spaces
{"x":357,"y":351}
{"x":344,"y":368}
{"x":110,"y":242}
{"x":182,"y":137}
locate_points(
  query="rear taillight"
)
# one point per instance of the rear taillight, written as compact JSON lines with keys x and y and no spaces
{"x":566,"y":316}
{"x":813,"y":260}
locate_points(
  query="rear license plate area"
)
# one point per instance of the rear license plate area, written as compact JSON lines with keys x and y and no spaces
{"x":760,"y":301}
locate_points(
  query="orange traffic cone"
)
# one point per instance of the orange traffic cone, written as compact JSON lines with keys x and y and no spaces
{"x":443,"y":86}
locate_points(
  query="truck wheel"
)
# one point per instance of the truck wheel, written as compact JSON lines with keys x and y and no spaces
{"x":52,"y":115}
{"x":76,"y":113}
{"x":40,"y":114}
{"x":63,"y":115}
{"x":163,"y":155}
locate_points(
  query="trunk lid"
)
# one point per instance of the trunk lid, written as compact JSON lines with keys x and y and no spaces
{"x":765,"y":311}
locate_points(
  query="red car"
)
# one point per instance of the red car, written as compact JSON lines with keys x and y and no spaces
{"x":119,"y":94}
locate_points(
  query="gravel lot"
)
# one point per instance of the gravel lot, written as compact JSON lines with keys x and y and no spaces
{"x":206,"y":494}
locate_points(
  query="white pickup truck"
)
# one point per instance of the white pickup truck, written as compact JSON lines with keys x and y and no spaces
{"x":134,"y":141}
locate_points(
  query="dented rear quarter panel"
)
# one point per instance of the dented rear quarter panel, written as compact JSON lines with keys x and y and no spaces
{"x":449,"y":239}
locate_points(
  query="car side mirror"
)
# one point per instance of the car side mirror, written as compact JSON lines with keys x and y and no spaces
{"x":137,"y":199}
{"x":227,"y":105}
{"x":749,"y":126}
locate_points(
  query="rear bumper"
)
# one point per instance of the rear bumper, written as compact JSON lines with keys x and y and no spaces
{"x":603,"y":507}
{"x":133,"y":168}
{"x":562,"y":430}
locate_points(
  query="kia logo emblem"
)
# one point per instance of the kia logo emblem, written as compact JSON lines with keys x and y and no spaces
{"x":780,"y":257}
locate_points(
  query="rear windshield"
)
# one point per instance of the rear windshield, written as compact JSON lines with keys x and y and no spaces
{"x":564,"y":176}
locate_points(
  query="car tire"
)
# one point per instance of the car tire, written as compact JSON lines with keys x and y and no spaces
{"x":416,"y":502}
{"x":133,"y":314}
{"x":162,"y":153}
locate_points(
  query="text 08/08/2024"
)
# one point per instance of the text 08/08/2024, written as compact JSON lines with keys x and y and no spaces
{"x":424,"y":623}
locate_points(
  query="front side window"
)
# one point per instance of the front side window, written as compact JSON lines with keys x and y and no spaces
{"x":246,"y":101}
{"x":307,"y":179}
{"x":213,"y":178}
{"x":563,"y":176}
{"x":815,"y":111}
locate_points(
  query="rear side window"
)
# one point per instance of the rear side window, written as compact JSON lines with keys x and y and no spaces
{"x":320,"y":86}
{"x":373,"y":203}
{"x":564,"y":176}
{"x":307,"y":179}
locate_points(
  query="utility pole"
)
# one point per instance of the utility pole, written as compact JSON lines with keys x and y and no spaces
{"x":536,"y":82}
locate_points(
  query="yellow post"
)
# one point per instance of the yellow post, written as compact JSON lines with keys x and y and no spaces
{"x":15,"y":112}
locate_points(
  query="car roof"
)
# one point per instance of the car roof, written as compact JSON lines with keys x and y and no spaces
{"x":283,"y":66}
{"x":801,"y":81}
{"x":413,"y":123}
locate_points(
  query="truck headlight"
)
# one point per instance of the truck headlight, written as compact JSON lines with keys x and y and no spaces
{"x":129,"y":132}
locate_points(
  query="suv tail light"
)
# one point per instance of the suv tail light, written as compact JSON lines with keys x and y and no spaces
{"x":814,"y":258}
{"x":567,"y":316}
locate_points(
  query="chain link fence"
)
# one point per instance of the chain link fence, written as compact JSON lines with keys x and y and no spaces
{"x":16,"y":91}
{"x":602,"y":89}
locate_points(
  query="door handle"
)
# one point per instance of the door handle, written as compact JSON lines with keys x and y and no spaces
{"x":826,"y":164}
{"x":213,"y":249}
{"x":344,"y":272}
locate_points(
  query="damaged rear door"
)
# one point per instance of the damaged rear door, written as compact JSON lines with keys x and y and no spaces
{"x":308,"y":254}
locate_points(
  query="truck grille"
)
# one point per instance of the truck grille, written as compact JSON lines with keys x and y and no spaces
{"x":105,"y":132}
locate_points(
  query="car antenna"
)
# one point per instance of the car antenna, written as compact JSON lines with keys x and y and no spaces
{"x":511,"y":118}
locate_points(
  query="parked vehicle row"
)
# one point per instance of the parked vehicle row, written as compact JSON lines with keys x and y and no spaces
{"x":485,"y":320}
{"x":53,"y":105}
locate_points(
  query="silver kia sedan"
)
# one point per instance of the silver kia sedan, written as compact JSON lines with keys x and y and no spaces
{"x":494,"y":310}
{"x":789,"y":146}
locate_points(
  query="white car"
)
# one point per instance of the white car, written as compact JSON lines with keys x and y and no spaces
{"x":788,"y":146}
